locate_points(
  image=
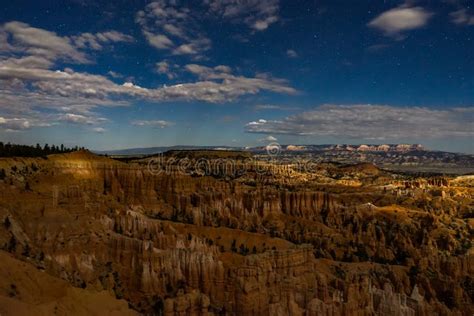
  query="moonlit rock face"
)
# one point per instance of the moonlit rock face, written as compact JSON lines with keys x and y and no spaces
{"x":148,"y":163}
{"x":272,"y":147}
{"x":125,"y":216}
{"x":295,"y":148}
{"x":383,"y":148}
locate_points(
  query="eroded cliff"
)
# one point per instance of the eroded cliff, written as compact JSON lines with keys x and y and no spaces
{"x":273,"y":240}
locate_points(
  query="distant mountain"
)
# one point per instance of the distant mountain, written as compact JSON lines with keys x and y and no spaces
{"x":347,"y":147}
{"x":407,"y":157}
{"x":334,"y":148}
{"x":157,"y":150}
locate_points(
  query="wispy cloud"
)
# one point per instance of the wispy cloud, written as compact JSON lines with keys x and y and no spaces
{"x":22,"y":38}
{"x":95,"y":41}
{"x":41,"y":48}
{"x":99,"y":130}
{"x":80,"y":119}
{"x":167,"y":68}
{"x":152,"y":123}
{"x":462,"y":17}
{"x":277,"y":107}
{"x":268,"y":139}
{"x":52,"y":88}
{"x":33,"y":92}
{"x":171,"y":26}
{"x":291,"y":53}
{"x":372,"y":122}
{"x":14,"y":123}
{"x":256,"y":14}
{"x":114,"y":74}
{"x":377,"y":47}
{"x":397,"y":20}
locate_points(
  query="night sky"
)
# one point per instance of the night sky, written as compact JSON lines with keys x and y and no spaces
{"x":121,"y":74}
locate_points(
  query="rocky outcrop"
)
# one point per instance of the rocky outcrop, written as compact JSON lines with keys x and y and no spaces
{"x":282,"y":242}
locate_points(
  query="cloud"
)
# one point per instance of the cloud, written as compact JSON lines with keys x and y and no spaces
{"x":268,"y":139}
{"x":256,"y":14}
{"x":158,"y":40}
{"x":400,"y":19}
{"x":269,"y":107}
{"x":203,"y":72}
{"x":27,"y":62}
{"x":34,"y":93}
{"x":152,"y":123}
{"x":53,"y":87}
{"x":462,"y":17}
{"x":170,"y":25}
{"x":80,"y":119}
{"x":291,"y":53}
{"x":173,"y":26}
{"x":14,"y":124}
{"x":164,"y":67}
{"x":221,"y":82}
{"x":20,"y":37}
{"x":99,"y":130}
{"x":32,"y":47}
{"x":377,"y":47}
{"x":114,"y":74}
{"x":95,"y":41}
{"x":372,"y":122}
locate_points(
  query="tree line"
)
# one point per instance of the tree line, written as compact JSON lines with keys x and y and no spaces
{"x":14,"y":150}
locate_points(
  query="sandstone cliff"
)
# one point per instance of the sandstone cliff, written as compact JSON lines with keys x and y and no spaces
{"x":279,"y":242}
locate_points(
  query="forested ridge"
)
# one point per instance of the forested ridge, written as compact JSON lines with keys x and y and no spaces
{"x":15,"y":150}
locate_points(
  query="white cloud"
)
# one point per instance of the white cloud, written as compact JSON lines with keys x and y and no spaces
{"x":152,"y":123}
{"x":164,"y":67}
{"x":74,"y":87}
{"x":173,"y":26}
{"x":268,"y":107}
{"x":38,"y":42}
{"x":219,"y":84}
{"x":114,"y":74}
{"x":256,"y":14}
{"x":401,"y":19}
{"x":170,"y":25}
{"x":27,"y":62}
{"x":33,"y":93}
{"x":268,"y":139}
{"x":99,"y":130}
{"x":133,"y":86}
{"x":291,"y":53}
{"x":203,"y":72}
{"x":372,"y":122}
{"x":80,"y":119}
{"x":462,"y":17}
{"x":32,"y":47}
{"x":95,"y":41}
{"x":14,"y":123}
{"x":159,"y":41}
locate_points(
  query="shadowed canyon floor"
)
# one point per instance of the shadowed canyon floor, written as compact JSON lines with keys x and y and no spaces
{"x":85,"y":234}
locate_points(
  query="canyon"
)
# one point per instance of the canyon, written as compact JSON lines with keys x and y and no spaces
{"x":185,"y":234}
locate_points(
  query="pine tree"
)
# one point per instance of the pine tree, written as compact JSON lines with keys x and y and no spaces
{"x":7,"y":222}
{"x":12,"y":244}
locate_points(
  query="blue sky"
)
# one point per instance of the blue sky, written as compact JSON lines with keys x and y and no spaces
{"x":118,"y":74}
